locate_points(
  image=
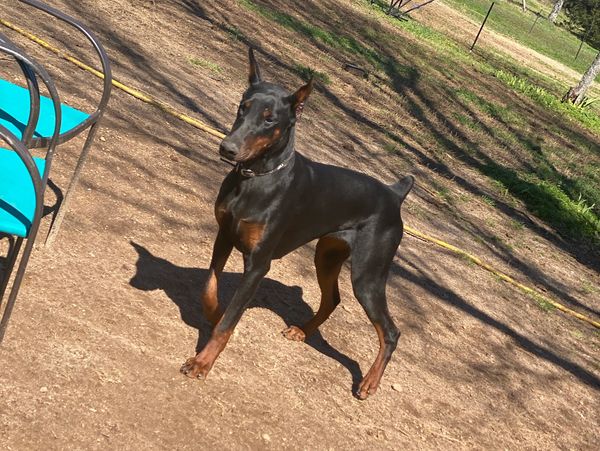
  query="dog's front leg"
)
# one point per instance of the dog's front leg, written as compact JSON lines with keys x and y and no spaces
{"x":256,"y":267}
{"x":210,"y":301}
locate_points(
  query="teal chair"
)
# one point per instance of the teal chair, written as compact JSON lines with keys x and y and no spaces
{"x":30,"y":117}
{"x":15,"y":111}
{"x":23,"y":180}
{"x":29,"y":120}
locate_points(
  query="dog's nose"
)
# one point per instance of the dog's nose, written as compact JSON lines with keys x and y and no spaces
{"x":228,"y":149}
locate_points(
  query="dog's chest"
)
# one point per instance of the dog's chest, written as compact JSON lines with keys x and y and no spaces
{"x":243,"y":227}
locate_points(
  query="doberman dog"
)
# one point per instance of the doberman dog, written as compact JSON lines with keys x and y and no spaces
{"x":275,"y":200}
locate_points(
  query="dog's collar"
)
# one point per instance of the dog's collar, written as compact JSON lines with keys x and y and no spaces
{"x":249,"y":173}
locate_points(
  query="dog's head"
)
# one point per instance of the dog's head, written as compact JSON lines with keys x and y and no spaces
{"x":265,"y":117}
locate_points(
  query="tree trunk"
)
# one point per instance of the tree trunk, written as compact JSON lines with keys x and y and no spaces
{"x":555,"y":10}
{"x":577,"y":93}
{"x":524,"y":5}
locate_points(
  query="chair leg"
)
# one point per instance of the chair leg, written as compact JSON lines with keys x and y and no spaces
{"x":11,"y":258}
{"x":16,"y":285}
{"x":58,"y":219}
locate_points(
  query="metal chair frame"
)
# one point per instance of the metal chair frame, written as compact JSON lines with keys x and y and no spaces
{"x":39,"y":183}
{"x":90,"y":123}
{"x":32,"y":71}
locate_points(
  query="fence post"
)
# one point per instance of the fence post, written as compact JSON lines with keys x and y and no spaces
{"x":482,"y":25}
{"x":537,"y":17}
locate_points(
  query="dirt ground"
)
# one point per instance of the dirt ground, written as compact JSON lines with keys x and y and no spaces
{"x":107,"y":316}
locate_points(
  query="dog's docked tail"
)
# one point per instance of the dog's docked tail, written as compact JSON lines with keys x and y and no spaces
{"x":403,"y":187}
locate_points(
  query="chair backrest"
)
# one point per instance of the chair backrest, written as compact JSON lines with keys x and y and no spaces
{"x":32,"y":70}
{"x":106,"y":70}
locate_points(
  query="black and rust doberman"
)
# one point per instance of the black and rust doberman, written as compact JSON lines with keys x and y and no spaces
{"x":275,"y":200}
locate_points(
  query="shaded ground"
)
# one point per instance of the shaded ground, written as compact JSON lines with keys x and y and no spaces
{"x":107,"y":316}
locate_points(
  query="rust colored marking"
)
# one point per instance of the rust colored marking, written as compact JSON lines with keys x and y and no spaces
{"x":370,"y":382}
{"x":250,"y":234}
{"x":210,"y":300}
{"x":215,"y":345}
{"x":378,"y":365}
{"x":267,"y":113}
{"x":221,"y":214}
{"x":254,"y":146}
{"x":200,"y":366}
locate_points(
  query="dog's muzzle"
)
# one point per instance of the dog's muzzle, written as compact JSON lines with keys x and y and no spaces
{"x":228,"y":150}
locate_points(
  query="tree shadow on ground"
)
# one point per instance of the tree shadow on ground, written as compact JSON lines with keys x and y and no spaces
{"x":423,"y":101}
{"x":183,"y":286}
{"x":448,"y":296}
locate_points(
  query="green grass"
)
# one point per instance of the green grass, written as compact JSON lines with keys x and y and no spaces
{"x":442,"y":192}
{"x":488,"y":200}
{"x":565,"y":203}
{"x":498,"y":112}
{"x":569,"y":204}
{"x":583,"y":187}
{"x":235,"y":33}
{"x":516,"y":225}
{"x":306,"y":73}
{"x":428,"y":35}
{"x":392,"y":147}
{"x":585,"y":116}
{"x":546,"y":38}
{"x":501,"y":188}
{"x":542,"y":303}
{"x":337,"y":41}
{"x":467,"y":121}
{"x":589,"y":288}
{"x":573,"y":218}
{"x":205,"y":64}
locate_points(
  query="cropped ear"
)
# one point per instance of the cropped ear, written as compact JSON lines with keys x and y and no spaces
{"x":254,"y":72}
{"x":298,"y":98}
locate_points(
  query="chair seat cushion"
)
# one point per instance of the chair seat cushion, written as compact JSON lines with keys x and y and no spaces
{"x":17,"y":195}
{"x":14,"y":112}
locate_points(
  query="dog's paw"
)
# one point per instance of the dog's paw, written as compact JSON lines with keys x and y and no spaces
{"x":367,"y":387}
{"x":193,"y":369}
{"x":294,"y":333}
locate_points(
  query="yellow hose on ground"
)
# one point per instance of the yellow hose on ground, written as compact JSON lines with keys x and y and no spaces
{"x":200,"y":125}
{"x":501,"y":275}
{"x":134,"y":92}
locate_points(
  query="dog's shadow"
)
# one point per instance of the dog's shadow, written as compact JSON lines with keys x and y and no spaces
{"x":183,"y":286}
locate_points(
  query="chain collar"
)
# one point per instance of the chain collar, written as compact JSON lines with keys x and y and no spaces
{"x":249,"y":173}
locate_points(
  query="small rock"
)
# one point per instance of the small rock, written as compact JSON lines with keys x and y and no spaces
{"x":103,"y":139}
{"x":397,"y":387}
{"x":44,"y":389}
{"x":266,"y":437}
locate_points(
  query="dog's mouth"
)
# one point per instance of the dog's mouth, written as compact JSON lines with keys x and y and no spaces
{"x":227,"y":158}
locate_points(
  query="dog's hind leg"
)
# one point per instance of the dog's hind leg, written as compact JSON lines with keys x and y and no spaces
{"x":371,"y":260}
{"x":330,"y":255}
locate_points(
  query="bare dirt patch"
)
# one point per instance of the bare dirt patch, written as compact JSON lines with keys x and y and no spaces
{"x":106,"y":317}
